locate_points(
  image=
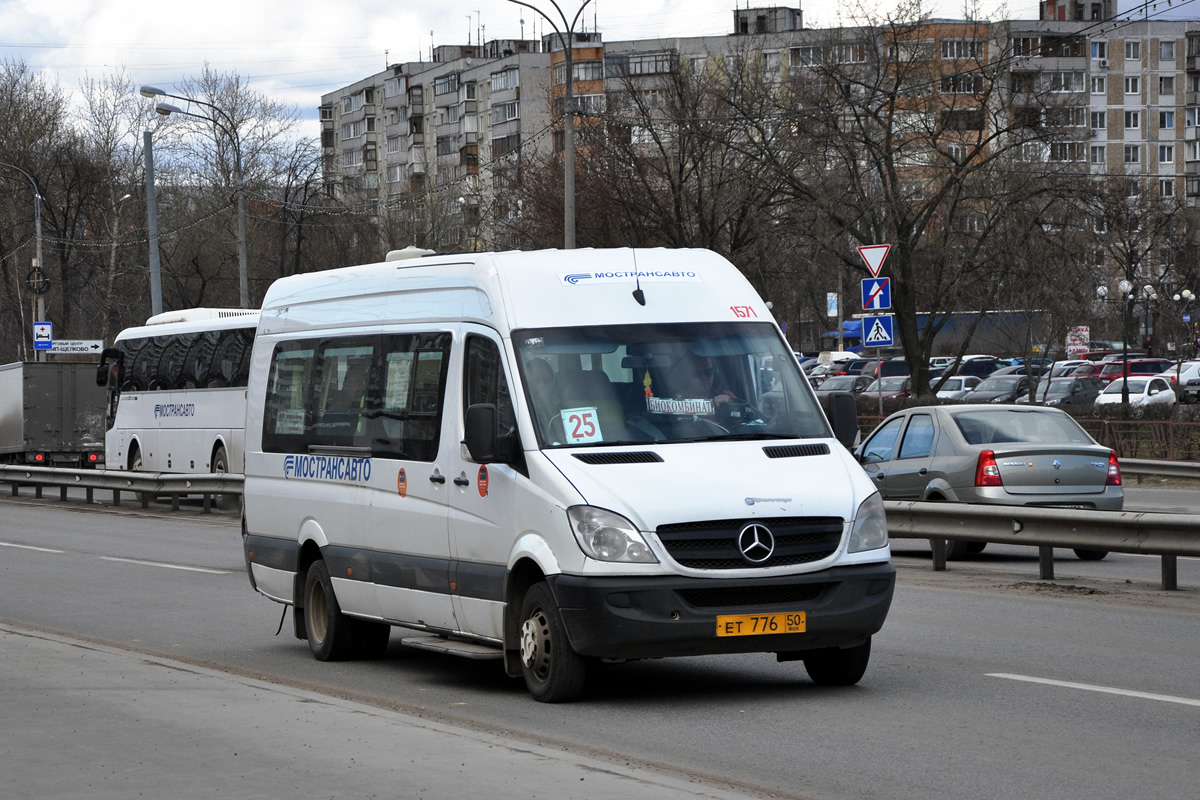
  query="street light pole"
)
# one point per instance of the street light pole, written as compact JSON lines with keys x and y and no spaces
{"x":1126,"y":289}
{"x":230,"y":130}
{"x":37,"y":230}
{"x":566,"y":38}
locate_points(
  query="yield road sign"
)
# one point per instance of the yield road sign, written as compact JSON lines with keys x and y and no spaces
{"x":876,"y":294}
{"x":877,"y":331}
{"x":43,"y":335}
{"x":873,"y":255}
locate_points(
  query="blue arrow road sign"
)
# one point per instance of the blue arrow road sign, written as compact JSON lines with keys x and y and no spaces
{"x":877,"y":331}
{"x":876,"y":294}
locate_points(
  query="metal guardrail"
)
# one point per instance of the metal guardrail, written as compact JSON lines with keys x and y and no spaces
{"x":1165,"y":535}
{"x":147,"y":485}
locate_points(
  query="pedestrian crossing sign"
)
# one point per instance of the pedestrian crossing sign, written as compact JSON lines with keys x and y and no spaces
{"x":877,"y":331}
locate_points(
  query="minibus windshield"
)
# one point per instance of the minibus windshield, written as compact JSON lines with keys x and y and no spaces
{"x":678,"y":382}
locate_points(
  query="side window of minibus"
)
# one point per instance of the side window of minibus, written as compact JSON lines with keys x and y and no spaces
{"x":411,"y":389}
{"x":288,"y":385}
{"x":484,"y":381}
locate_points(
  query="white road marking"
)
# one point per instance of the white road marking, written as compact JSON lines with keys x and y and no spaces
{"x":30,"y":547}
{"x":167,"y":566}
{"x":1089,"y":687}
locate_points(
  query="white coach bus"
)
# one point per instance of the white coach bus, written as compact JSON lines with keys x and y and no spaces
{"x":177,"y":391}
{"x":552,"y":459}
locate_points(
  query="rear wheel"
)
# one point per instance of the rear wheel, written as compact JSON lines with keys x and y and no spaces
{"x":1090,"y":555}
{"x":838,"y":667}
{"x":135,"y":459}
{"x":554,"y":673}
{"x":330,"y":632}
{"x":220,"y":466}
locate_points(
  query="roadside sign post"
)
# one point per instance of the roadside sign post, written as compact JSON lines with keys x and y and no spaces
{"x":78,"y":346}
{"x":43,"y":337}
{"x":879,"y":332}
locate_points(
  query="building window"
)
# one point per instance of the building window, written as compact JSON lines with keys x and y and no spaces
{"x":1066,"y":151}
{"x":393,"y":144}
{"x":583,"y":70}
{"x":854,"y":53}
{"x":1133,"y":120}
{"x":1132,"y":84}
{"x":1099,"y":49}
{"x":352,"y":158}
{"x":1097,"y":154}
{"x":395,"y":173}
{"x":1099,"y":120}
{"x":1191,"y":116}
{"x":960,"y":49}
{"x":1192,"y":187}
{"x":1133,"y":154}
{"x":1026,"y":46}
{"x":1133,"y":50}
{"x":1166,"y":86}
{"x":963,"y":83}
{"x":326,"y":113}
{"x":1166,"y":154}
{"x":445,"y":146}
{"x":503,"y":112}
{"x":499,"y":81}
{"x":1064,"y":81}
{"x":806,"y":56}
{"x":1166,"y":51}
{"x":1099,"y":85}
{"x":1166,"y":120}
{"x":445,"y":84}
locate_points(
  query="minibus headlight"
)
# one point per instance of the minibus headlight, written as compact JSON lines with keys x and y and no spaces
{"x":606,"y":536}
{"x":870,"y":526}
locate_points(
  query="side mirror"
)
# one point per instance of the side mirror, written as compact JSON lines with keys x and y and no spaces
{"x":485,"y":444}
{"x":111,"y":370}
{"x":843,"y":416}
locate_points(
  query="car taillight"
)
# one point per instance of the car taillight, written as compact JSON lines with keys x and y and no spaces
{"x":39,"y":457}
{"x":987,"y":471}
{"x":93,"y":457}
{"x":1114,"y":470}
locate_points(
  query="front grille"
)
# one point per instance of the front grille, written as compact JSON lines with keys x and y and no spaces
{"x":619,"y":458}
{"x":756,"y":596}
{"x":714,"y":544}
{"x":796,"y":450}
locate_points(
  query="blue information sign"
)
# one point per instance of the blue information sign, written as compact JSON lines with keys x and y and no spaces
{"x":43,"y":336}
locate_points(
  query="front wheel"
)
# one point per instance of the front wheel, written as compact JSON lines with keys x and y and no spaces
{"x":1090,"y":555}
{"x":554,"y":673}
{"x":838,"y":667}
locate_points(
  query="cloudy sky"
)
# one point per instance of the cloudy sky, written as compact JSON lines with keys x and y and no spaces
{"x":295,"y":51}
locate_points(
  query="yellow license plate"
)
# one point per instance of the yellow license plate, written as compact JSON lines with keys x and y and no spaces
{"x":761,"y":624}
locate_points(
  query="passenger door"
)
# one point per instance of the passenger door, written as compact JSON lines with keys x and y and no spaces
{"x":876,"y":453}
{"x":908,"y":474}
{"x":482,"y":505}
{"x":404,"y":427}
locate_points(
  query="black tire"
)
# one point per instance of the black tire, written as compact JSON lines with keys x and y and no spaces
{"x":1090,"y":555}
{"x":220,"y":466}
{"x":330,"y":632}
{"x":370,"y":639}
{"x":838,"y":667}
{"x":975,"y":548}
{"x":554,"y":673}
{"x":135,"y":459}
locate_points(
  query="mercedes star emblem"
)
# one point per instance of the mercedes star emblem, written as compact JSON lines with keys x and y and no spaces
{"x":756,"y":543}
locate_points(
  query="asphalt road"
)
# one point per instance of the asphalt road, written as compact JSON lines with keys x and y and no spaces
{"x":985,"y":683}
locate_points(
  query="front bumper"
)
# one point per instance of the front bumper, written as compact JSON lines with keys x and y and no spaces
{"x":624,"y":618}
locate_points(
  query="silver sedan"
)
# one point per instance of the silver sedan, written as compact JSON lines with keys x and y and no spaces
{"x":1007,"y":455}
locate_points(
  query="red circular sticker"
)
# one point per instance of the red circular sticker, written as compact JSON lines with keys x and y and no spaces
{"x":402,"y":483}
{"x":483,"y":481}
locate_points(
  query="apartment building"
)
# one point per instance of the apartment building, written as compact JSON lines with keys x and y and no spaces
{"x":419,"y":141}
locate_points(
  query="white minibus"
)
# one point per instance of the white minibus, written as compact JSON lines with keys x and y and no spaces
{"x":177,"y":392}
{"x":551,"y":459}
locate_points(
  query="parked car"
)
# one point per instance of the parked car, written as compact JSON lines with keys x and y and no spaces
{"x":1005,"y":455}
{"x":981,"y":366}
{"x":844,"y":383}
{"x":1135,"y":366}
{"x":1002,"y":389}
{"x":1087,"y":368}
{"x":884,"y":367}
{"x":1069,"y":390}
{"x":944,"y":362}
{"x":894,"y":386}
{"x":1019,"y":369}
{"x":1145,"y":391}
{"x":1060,"y":368}
{"x":958,"y":387}
{"x":1180,"y":373}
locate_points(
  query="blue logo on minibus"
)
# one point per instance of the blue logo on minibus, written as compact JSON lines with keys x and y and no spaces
{"x":327,"y":468}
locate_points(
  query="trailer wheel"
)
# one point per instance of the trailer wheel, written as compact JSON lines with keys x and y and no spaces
{"x":220,"y":466}
{"x":554,"y":673}
{"x":838,"y":667}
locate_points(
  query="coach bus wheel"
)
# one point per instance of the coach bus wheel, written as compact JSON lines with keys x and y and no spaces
{"x":330,"y":633}
{"x":554,"y":673}
{"x":838,"y":667}
{"x":135,"y":459}
{"x":1090,"y":555}
{"x":220,"y":466}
